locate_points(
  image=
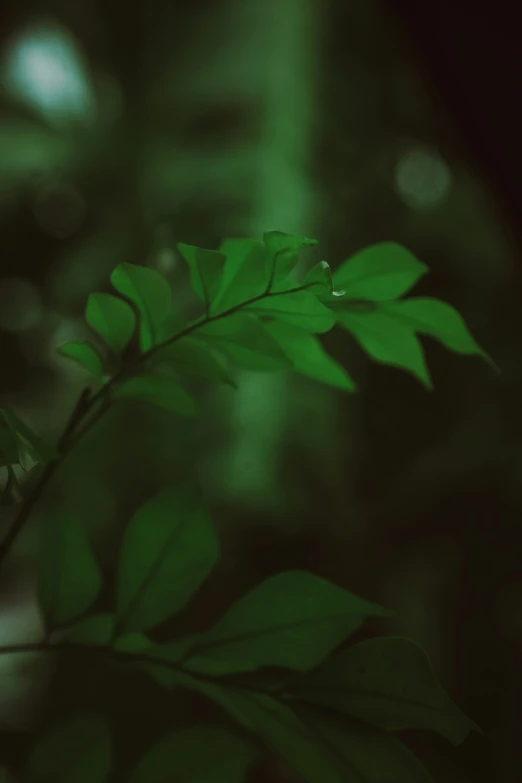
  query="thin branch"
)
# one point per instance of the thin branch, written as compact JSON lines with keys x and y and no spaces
{"x":47,"y":473}
{"x":229,"y":681}
{"x":74,"y":432}
{"x":268,"y":290}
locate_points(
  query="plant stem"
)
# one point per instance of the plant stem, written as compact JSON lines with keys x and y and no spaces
{"x":87,"y":402}
{"x":229,"y":681}
{"x":47,"y":473}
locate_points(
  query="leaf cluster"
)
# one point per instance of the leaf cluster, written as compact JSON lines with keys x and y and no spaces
{"x":275,"y":660}
{"x":272,"y":661}
{"x":256,"y":318}
{"x":19,"y":445}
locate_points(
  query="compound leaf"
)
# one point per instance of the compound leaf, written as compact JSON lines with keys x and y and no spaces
{"x":364,"y":754}
{"x":293,"y":619}
{"x":192,"y":356}
{"x":319,"y":278}
{"x":85,"y":354}
{"x":244,"y":273}
{"x":387,"y":682}
{"x":283,"y":733}
{"x":159,"y":390}
{"x":308,"y":356}
{"x":28,"y":441}
{"x":388,"y":341}
{"x":168,"y":551}
{"x":300,"y":308}
{"x":197,"y":754}
{"x":75,"y":750}
{"x":245,"y":341}
{"x":437,"y":319}
{"x":380,"y":272}
{"x":150,"y":293}
{"x":282,"y":253}
{"x":112,"y":318}
{"x":69,"y":578}
{"x":206,"y":270}
{"x":17,"y":440}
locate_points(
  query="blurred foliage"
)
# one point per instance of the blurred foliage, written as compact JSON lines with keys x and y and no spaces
{"x":124,"y":130}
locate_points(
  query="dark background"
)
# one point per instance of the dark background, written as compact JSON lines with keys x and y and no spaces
{"x":353,"y":122}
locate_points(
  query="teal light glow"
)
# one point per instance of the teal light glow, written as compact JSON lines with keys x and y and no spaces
{"x":45,"y":70}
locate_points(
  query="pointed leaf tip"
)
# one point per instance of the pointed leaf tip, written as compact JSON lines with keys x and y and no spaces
{"x":389,"y":683}
{"x":293,"y":619}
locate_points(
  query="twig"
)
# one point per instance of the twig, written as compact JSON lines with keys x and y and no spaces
{"x":87,"y":402}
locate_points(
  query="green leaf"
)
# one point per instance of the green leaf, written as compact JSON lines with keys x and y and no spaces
{"x":387,"y":682}
{"x":275,"y":724}
{"x":69,"y":579}
{"x":75,"y":750}
{"x":244,"y":273}
{"x":196,"y":754}
{"x":28,"y":441}
{"x":244,"y":339}
{"x":12,"y":491}
{"x":282,"y":732}
{"x":133,"y":643}
{"x":192,"y":356}
{"x":168,"y":551}
{"x":308,"y":356}
{"x":380,"y":272}
{"x":84,"y":354}
{"x":151,"y":294}
{"x":161,"y":661}
{"x":436,"y":319}
{"x":282,"y":253}
{"x":338,"y":301}
{"x":112,"y":318}
{"x":9,"y":446}
{"x":388,"y":341}
{"x":300,"y":308}
{"x":95,"y":630}
{"x":174,"y":651}
{"x":206,"y":270}
{"x":293,"y":619}
{"x":162,"y":675}
{"x":319,"y":278}
{"x":364,"y":754}
{"x":39,"y":451}
{"x":170,"y":326}
{"x":159,"y":390}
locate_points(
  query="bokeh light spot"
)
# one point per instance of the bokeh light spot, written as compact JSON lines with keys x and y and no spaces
{"x":44,"y":69}
{"x":422,"y":178}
